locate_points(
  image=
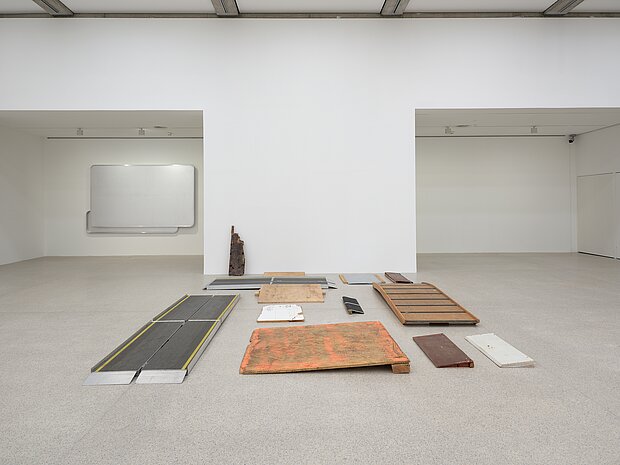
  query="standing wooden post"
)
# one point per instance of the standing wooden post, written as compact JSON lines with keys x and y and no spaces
{"x":236,"y":265}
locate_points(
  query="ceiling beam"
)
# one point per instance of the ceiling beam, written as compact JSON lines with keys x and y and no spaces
{"x":394,"y":7}
{"x":561,"y":7}
{"x":54,"y":7}
{"x":225,"y":7}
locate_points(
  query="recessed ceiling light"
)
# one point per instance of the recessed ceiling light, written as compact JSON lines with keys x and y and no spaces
{"x":157,"y":126}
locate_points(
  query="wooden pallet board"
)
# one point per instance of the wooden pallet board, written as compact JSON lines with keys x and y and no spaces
{"x":397,"y":277}
{"x":442,"y":351}
{"x":322,"y":347}
{"x":423,"y":304}
{"x":290,"y":294}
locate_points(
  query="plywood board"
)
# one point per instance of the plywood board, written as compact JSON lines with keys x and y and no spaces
{"x":442,"y":351}
{"x":290,"y":294}
{"x":423,"y":304}
{"x":284,"y":273}
{"x":499,"y":351}
{"x":322,"y":347}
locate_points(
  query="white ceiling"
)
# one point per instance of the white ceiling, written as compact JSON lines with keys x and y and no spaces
{"x":310,"y":6}
{"x":602,"y":6}
{"x":530,"y":6}
{"x":104,"y":123}
{"x":19,"y":6}
{"x":139,"y":6}
{"x":502,"y":122}
{"x":306,"y":6}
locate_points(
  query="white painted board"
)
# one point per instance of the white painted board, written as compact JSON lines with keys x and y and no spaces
{"x":595,"y":215}
{"x":141,"y":196}
{"x":276,"y":313}
{"x":499,"y":351}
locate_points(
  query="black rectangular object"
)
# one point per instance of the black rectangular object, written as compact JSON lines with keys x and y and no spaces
{"x":183,"y":308}
{"x":214,"y":309}
{"x":352,"y":305}
{"x":184,"y":347}
{"x":132,"y":354}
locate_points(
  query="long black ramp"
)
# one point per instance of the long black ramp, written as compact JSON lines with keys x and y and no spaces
{"x":183,"y":309}
{"x":122,"y":364}
{"x":216,"y":308}
{"x":175,"y":359}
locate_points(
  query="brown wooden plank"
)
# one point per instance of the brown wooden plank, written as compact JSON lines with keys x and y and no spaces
{"x":397,"y":277}
{"x":400,"y":291}
{"x":425,"y":302}
{"x":419,"y":291}
{"x":442,"y":351}
{"x":409,"y":286}
{"x":399,"y":297}
{"x":322,"y":347}
{"x":460,"y":316}
{"x":429,"y":309}
{"x":290,"y":293}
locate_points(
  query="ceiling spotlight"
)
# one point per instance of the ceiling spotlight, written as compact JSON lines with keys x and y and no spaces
{"x":448,"y":131}
{"x":534,"y":130}
{"x":80,"y":132}
{"x":141,"y":132}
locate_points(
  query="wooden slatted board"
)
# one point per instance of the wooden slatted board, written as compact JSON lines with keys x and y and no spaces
{"x":423,"y":304}
{"x":322,"y":347}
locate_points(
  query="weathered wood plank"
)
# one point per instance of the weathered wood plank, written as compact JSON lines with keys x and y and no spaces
{"x":322,"y":347}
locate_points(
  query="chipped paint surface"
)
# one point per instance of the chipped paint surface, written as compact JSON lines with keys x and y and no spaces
{"x":320,"y":347}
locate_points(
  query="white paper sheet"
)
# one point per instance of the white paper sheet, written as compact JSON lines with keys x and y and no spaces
{"x":287,"y":312}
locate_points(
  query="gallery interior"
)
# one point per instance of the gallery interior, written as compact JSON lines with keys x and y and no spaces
{"x":314,"y":232}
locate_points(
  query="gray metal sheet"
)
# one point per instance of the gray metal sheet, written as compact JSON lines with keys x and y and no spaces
{"x":161,"y":377}
{"x":256,"y":283}
{"x":109,"y":377}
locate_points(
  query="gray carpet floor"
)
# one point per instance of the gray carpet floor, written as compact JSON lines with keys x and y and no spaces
{"x":61,"y":315}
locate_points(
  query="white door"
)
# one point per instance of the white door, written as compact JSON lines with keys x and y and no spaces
{"x":595,"y":215}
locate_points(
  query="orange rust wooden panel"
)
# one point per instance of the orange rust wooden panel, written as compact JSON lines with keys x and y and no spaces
{"x":411,"y":309}
{"x":322,"y":347}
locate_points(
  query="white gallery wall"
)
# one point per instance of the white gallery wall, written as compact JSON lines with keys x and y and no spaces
{"x":598,"y":192}
{"x":309,"y":139}
{"x":493,"y":194}
{"x":21,"y":196}
{"x":67,"y":165}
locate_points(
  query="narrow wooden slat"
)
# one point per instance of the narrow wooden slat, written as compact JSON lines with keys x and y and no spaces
{"x":424,"y":303}
{"x":428,"y":291}
{"x":410,"y":286}
{"x":399,"y":297}
{"x":435,"y":317}
{"x":405,"y":309}
{"x":415,"y":299}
